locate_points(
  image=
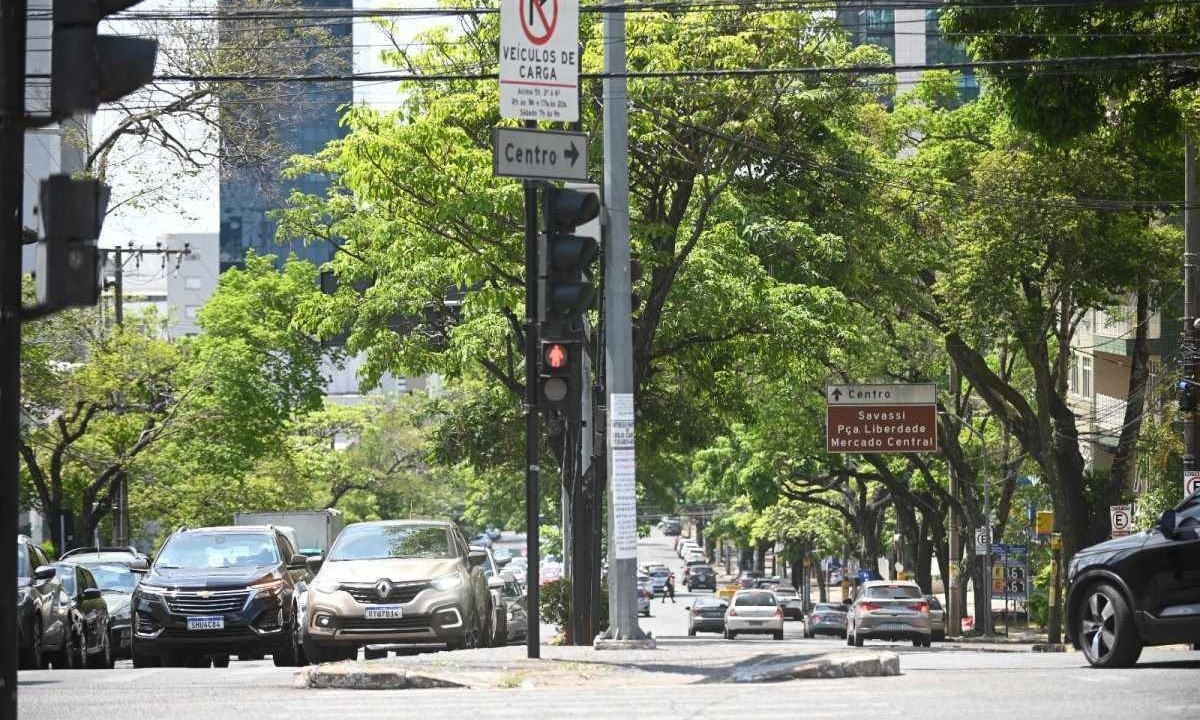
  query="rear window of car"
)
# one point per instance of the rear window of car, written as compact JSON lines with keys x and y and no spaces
{"x":829,"y":608}
{"x":709,"y":602}
{"x":893,"y":592}
{"x":755,"y":598}
{"x":790,"y":592}
{"x":660,"y":573}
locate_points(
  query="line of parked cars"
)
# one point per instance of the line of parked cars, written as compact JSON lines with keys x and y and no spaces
{"x":216,"y":592}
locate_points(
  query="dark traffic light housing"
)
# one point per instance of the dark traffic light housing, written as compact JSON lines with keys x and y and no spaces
{"x":1185,"y":394}
{"x":566,"y":261}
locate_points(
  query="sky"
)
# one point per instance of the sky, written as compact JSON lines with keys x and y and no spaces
{"x":198,"y":202}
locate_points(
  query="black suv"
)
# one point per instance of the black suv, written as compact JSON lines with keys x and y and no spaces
{"x":1138,"y":590}
{"x":213,"y":592}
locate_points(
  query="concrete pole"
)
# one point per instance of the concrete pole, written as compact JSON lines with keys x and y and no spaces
{"x":623,"y":627}
{"x":1191,"y":303}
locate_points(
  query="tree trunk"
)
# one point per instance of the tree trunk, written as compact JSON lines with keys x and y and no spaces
{"x":1121,"y":474}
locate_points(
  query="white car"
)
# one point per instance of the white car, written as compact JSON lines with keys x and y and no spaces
{"x":694,"y":556}
{"x":687,"y":547}
{"x":754,"y":611}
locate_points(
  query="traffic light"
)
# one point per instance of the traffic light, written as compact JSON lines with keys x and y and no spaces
{"x":68,"y":263}
{"x":567,"y":260}
{"x":87,"y":68}
{"x":560,"y":376}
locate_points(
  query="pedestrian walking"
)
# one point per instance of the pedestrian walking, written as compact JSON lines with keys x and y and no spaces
{"x":669,"y":589}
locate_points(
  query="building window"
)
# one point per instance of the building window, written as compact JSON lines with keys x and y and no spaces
{"x":193,"y":283}
{"x":191,"y":311}
{"x":1085,"y":376}
{"x":1073,"y":377}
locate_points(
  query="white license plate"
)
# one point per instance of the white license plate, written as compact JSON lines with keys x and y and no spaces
{"x":757,"y":622}
{"x":206,"y":623}
{"x":893,"y":626}
{"x":384,"y":612}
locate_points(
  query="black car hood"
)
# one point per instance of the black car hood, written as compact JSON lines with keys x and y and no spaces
{"x":1129,"y":542}
{"x":208,"y":578}
{"x":116,"y":602}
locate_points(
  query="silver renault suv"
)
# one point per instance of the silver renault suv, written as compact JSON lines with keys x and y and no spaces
{"x":397,"y":582}
{"x":888,"y":610}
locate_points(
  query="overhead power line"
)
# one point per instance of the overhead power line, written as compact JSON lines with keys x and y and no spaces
{"x":1081,"y":60}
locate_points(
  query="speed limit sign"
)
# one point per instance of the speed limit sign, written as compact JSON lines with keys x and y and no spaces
{"x":1191,"y":482}
{"x":1122,"y":519}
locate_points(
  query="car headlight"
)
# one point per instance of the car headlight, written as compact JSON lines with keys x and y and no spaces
{"x":324,"y":584}
{"x":447,"y":582}
{"x":268,"y":587}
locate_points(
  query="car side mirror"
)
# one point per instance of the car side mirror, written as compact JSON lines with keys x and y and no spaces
{"x":495,"y":583}
{"x":44,"y":572}
{"x":92,"y":594}
{"x":502,"y":562}
{"x":847,"y":601}
{"x":477,"y":558}
{"x":314,"y":563}
{"x":139,"y":566}
{"x":1168,"y":523}
{"x":298,"y":562}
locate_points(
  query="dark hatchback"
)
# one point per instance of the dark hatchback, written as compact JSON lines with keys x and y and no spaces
{"x":117,"y":571}
{"x":1138,"y":590}
{"x":700,"y":577}
{"x":214,"y":592}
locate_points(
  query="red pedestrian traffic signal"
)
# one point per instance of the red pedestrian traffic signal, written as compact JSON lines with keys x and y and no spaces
{"x":556,"y":356}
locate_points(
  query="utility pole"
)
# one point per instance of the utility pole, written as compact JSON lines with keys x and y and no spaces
{"x":1190,"y":352}
{"x":12,"y":179}
{"x":533,"y":640}
{"x":623,"y":630}
{"x":120,"y":499}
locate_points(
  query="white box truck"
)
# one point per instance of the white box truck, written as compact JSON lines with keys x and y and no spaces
{"x":315,"y":529}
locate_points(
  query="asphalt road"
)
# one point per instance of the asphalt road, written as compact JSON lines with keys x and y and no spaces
{"x":944,"y":681}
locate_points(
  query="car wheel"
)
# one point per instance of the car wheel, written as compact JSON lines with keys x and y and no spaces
{"x":1107,"y":635}
{"x":369,"y":654}
{"x":938,"y":637}
{"x":104,"y":658}
{"x":221,"y":661}
{"x":779,"y":635}
{"x":251,"y":656}
{"x":33,"y":657}
{"x":313,"y":651}
{"x":68,"y":656}
{"x":918,"y":642}
{"x":285,"y":654}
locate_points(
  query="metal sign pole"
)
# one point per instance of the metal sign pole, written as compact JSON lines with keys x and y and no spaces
{"x":533,"y":640}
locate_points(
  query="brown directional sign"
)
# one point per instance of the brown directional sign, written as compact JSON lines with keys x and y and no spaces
{"x":881,"y":418}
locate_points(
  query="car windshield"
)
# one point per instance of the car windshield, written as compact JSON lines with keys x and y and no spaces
{"x":893,"y":592}
{"x":379,"y":542}
{"x":660,"y":573}
{"x":218,"y":550}
{"x":755,"y":598}
{"x":113,"y":577}
{"x":22,"y":561}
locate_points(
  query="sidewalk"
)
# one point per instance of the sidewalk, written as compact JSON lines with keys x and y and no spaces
{"x":674,"y":663}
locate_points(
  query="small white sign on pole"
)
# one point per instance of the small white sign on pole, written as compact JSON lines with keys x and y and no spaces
{"x":539,"y":60}
{"x":1121,"y":517}
{"x":1191,"y":482}
{"x":624,"y":474}
{"x":982,"y":541}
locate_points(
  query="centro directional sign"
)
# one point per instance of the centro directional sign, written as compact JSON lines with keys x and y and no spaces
{"x":881,"y":418}
{"x":539,"y":60}
{"x":549,"y":154}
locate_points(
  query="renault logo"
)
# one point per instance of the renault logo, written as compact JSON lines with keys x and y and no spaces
{"x":383,"y":588}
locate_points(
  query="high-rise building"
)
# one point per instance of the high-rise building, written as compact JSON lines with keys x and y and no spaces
{"x":911,"y":36}
{"x":305,"y":116}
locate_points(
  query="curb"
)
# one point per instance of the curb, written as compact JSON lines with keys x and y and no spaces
{"x":357,"y":676}
{"x":1049,"y":648}
{"x":838,"y":665}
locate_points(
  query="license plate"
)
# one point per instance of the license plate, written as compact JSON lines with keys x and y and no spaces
{"x":893,"y":626}
{"x":206,"y":623}
{"x":384,"y":612}
{"x":757,"y":622}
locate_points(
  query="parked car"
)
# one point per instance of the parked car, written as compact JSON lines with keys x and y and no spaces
{"x":747,"y":578}
{"x":696,"y":555}
{"x":888,"y":610}
{"x":790,"y":601}
{"x":88,"y":643}
{"x":217,"y":591}
{"x":644,"y":597}
{"x":698,"y":577}
{"x":937,"y":619}
{"x":687,"y":546}
{"x":491,"y":571}
{"x":1138,"y":590}
{"x":826,"y":619}
{"x":514,"y":598}
{"x":117,"y":572}
{"x":754,"y":611}
{"x":672,"y":528}
{"x":707,"y":614}
{"x":397,"y":582}
{"x":41,"y":616}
